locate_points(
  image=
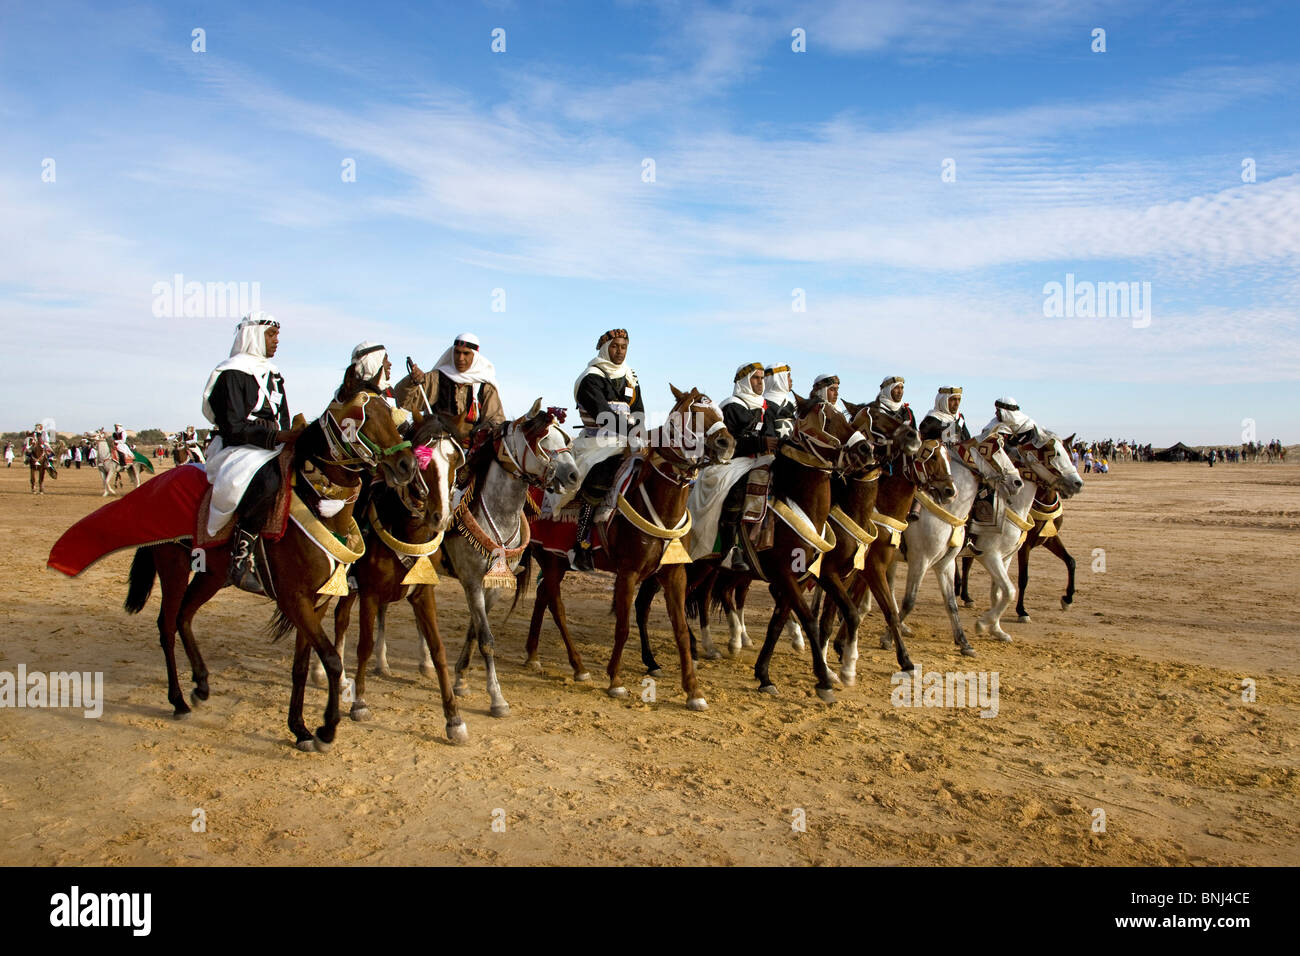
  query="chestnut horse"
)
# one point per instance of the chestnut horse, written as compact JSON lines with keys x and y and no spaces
{"x":404,"y":528}
{"x":41,"y":460}
{"x":336,"y":450}
{"x":648,"y":521}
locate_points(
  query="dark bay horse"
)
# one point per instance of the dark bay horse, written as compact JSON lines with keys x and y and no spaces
{"x":330,"y":458}
{"x":650,"y":517}
{"x":403,"y":530}
{"x":41,"y":460}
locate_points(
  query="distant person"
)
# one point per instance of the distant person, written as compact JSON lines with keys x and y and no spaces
{"x":9,"y":454}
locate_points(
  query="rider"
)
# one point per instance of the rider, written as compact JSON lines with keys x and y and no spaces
{"x":461,"y":389}
{"x":944,"y":421}
{"x":245,"y":400}
{"x":889,"y":402}
{"x":190,"y":440}
{"x":778,"y":392}
{"x":743,"y":412}
{"x":1008,"y":416}
{"x":36,"y":442}
{"x":120,"y":448}
{"x":826,"y":388}
{"x":608,"y":399}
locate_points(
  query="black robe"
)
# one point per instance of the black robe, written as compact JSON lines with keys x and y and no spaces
{"x":595,"y":392}
{"x":933,"y":427}
{"x":878,"y":411}
{"x":234,"y":396}
{"x":746,"y":426}
{"x":778,"y":421}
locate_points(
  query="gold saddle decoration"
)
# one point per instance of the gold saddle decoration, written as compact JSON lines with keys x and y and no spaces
{"x":863,"y":536}
{"x":344,"y":555}
{"x":803,"y":528}
{"x":893,"y":525}
{"x":674,"y":553}
{"x":958,"y":525}
{"x":1024,"y":525}
{"x":1048,"y":518}
{"x":422,"y":570}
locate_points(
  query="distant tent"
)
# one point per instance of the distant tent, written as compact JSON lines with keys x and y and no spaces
{"x":1179,"y":452}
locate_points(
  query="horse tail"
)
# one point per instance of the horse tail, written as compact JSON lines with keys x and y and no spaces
{"x":521,"y":579}
{"x":140,"y":583}
{"x":279,"y":625}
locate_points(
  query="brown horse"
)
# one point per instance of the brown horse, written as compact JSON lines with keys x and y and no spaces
{"x":43,"y":459}
{"x":330,"y":457}
{"x":650,"y":517}
{"x":402,"y":532}
{"x":928,"y":470}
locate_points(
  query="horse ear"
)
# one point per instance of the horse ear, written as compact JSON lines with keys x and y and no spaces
{"x":677,"y":393}
{"x":537,"y":407}
{"x":853,"y":409}
{"x":1069,"y":442}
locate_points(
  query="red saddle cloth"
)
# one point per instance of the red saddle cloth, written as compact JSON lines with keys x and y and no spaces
{"x":558,"y":534}
{"x":161,"y":509}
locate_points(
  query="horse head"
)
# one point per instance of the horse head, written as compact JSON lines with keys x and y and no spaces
{"x":541,"y":449}
{"x":1045,"y":455}
{"x":931,"y":470}
{"x":368,"y":435}
{"x":438,"y":456}
{"x":993,"y":463}
{"x":696,"y":423}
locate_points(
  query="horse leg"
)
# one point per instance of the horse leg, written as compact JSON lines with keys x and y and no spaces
{"x":200,"y":591}
{"x":785,"y":591}
{"x":541,"y":599}
{"x":739,"y":594}
{"x":780,"y":614}
{"x":1055,"y":545}
{"x":943,"y":573}
{"x":890,"y":573}
{"x":674,"y":582}
{"x":479,"y":603}
{"x":875,"y":572}
{"x":365,"y":645}
{"x":342,"y":618}
{"x":705,"y":591}
{"x":424,"y":602}
{"x":965,"y":582}
{"x":1001,"y":593}
{"x":561,"y":618}
{"x":308,"y":620}
{"x":835,"y":593}
{"x":624,"y":588}
{"x":1022,"y":559}
{"x":645,"y":596}
{"x":173,"y":579}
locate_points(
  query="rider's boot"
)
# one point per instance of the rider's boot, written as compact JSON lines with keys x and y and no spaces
{"x":582,"y":556}
{"x":733,"y":553}
{"x":243,"y":570}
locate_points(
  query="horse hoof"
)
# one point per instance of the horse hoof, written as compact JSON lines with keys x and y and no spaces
{"x":307,"y":746}
{"x":886,"y":643}
{"x":966,"y":603}
{"x":195,"y":699}
{"x":616,"y":691}
{"x":429,"y":671}
{"x":906,"y":666}
{"x":697,"y":703}
{"x":500,"y":710}
{"x":655,"y":672}
{"x":733,"y":648}
{"x":713,"y":654}
{"x":827,"y":694}
{"x":360,"y":713}
{"x":458,"y":733}
{"x":461,"y":690}
{"x":797,"y":645}
{"x":768,"y":689}
{"x":833,"y":677}
{"x":585,"y":676}
{"x":321,"y":746}
{"x":848,"y":679}
{"x":746,"y":641}
{"x":968,"y":651}
{"x":1024,"y":619}
{"x":904,"y":630}
{"x":1002,"y":636}
{"x":181,"y":714}
{"x":1065,"y":605}
{"x":981,"y":628}
{"x":533,"y":664}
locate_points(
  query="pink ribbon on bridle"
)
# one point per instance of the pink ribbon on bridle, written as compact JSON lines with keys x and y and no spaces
{"x":423,"y":455}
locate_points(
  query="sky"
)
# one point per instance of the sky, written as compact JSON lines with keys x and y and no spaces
{"x":895,"y":198}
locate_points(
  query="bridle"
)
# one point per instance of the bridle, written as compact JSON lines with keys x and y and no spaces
{"x":361,"y":453}
{"x":547,"y":458}
{"x":682,"y":465}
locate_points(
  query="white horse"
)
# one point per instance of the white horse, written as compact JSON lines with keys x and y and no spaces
{"x":933,"y":541}
{"x":1042,"y":460}
{"x":106,"y":462}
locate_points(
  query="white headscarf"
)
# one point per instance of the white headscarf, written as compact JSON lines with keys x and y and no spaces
{"x":885,"y":399}
{"x":605,"y":366}
{"x":742,"y":391}
{"x":480,"y":371}
{"x":818,"y":393}
{"x":940,"y":410}
{"x":777,"y":388}
{"x":247,"y":354}
{"x":1014,"y":417}
{"x":371,"y":364}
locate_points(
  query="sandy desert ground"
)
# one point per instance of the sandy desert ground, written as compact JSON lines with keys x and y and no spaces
{"x":1130,"y":702}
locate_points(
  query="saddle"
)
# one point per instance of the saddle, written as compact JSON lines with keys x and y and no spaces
{"x":276,"y":522}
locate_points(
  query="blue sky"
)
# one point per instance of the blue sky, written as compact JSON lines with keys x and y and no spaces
{"x":774,"y":171}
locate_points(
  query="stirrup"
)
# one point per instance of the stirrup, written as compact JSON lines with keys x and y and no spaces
{"x":735,"y":560}
{"x":583,"y":559}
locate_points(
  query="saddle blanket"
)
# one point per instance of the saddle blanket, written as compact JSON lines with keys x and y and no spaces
{"x":162,"y":509}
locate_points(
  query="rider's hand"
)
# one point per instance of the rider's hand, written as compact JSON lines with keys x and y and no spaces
{"x":414,"y":369}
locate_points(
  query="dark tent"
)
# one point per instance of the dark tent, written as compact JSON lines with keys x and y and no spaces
{"x":1179,"y":452}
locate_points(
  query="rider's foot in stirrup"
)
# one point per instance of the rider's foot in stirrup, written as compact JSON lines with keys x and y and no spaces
{"x":243,"y":575}
{"x":735,"y":559}
{"x":582,"y":557}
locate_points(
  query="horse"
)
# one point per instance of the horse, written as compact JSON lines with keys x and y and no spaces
{"x":42,"y":459}
{"x":640,"y":536}
{"x":1043,"y":464}
{"x":394,"y":567}
{"x":933,"y":541}
{"x":329,"y":458}
{"x":927,"y":469}
{"x":106,"y":462}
